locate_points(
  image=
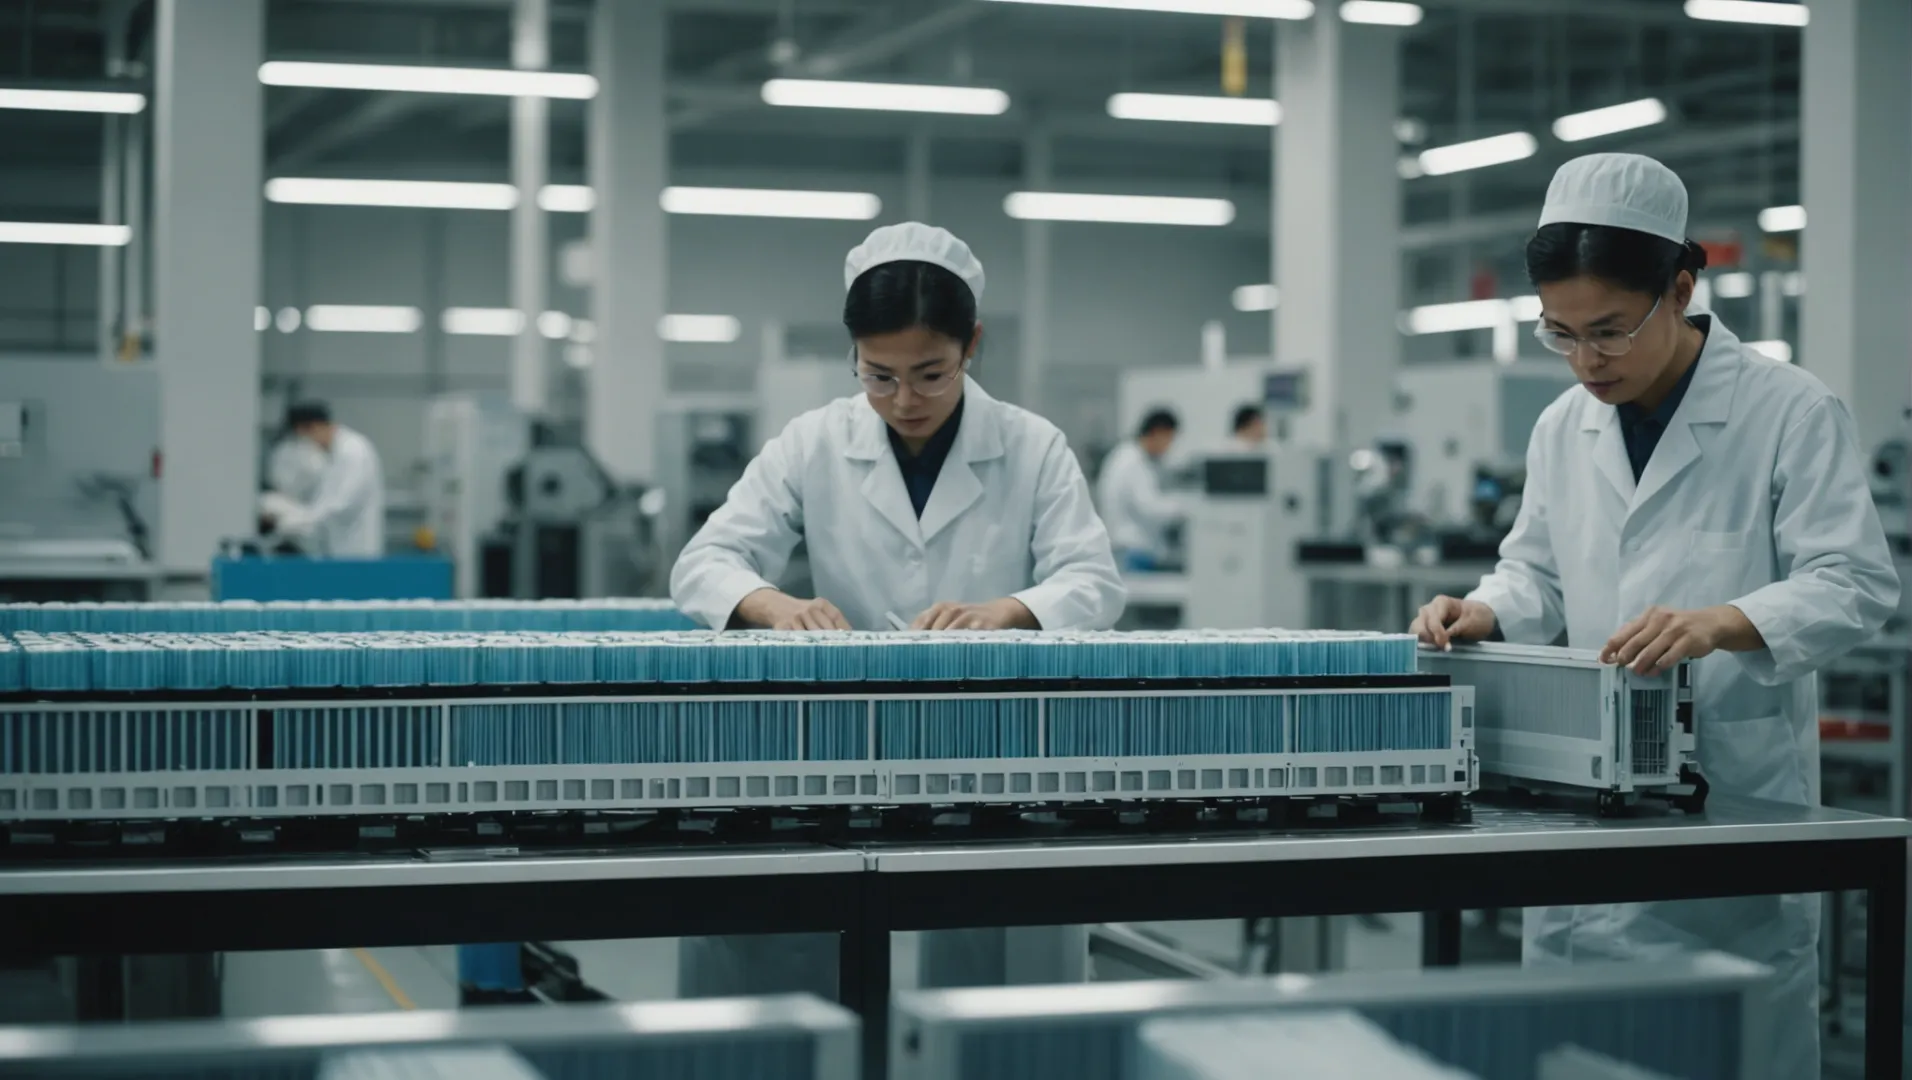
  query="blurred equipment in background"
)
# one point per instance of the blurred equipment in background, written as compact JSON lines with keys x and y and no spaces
{"x":569,"y":531}
{"x":471,"y":441}
{"x":76,"y":457}
{"x":1253,"y":509}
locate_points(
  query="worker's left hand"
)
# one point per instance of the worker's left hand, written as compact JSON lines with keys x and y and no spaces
{"x":1005,"y":614}
{"x":1662,"y":637}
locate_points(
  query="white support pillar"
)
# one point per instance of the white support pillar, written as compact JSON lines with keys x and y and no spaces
{"x":530,"y":239}
{"x":629,"y":164}
{"x":210,"y":144}
{"x":916,"y":175}
{"x":1337,"y":210}
{"x":1856,"y":170}
{"x":1038,"y":174}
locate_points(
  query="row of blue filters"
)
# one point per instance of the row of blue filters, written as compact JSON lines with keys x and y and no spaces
{"x":73,"y":662}
{"x":617,"y":733}
{"x":339,"y":616}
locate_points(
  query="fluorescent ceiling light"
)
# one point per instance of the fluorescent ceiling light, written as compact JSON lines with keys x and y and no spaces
{"x":1734,"y":286}
{"x":431,"y":194}
{"x":287,"y":320}
{"x":1409,"y":168}
{"x":886,"y":97}
{"x":577,"y":357}
{"x":86,"y":101}
{"x":1793,"y":284}
{"x":501,"y":82}
{"x":1782,"y":219}
{"x":362,"y":319}
{"x":759,"y":202}
{"x":1381,"y":12}
{"x":1614,"y":118}
{"x":555,"y":325}
{"x":1778,"y":350}
{"x":1478,"y":153}
{"x":1450,"y":318}
{"x":567,"y":199}
{"x":1196,"y":109}
{"x":1256,"y":298}
{"x":1253,"y":9}
{"x":54,"y":232}
{"x":1748,"y":11}
{"x":1122,"y":209}
{"x":482,"y":322}
{"x":1525,"y":308}
{"x":702,"y":329}
{"x":1411,"y":131}
{"x":262,"y":318}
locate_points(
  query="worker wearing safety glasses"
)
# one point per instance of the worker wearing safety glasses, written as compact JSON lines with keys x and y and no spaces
{"x":925,"y":503}
{"x":1691,"y":499}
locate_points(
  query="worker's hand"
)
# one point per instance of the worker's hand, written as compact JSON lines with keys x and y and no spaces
{"x":1446,"y":619}
{"x":781,"y":611}
{"x":1662,"y":637}
{"x":1005,"y":614}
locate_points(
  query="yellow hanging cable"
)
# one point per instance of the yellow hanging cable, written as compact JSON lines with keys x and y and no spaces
{"x":1235,"y":57}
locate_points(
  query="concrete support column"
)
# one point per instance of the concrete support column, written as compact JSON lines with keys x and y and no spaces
{"x":1337,"y":210}
{"x":1038,"y":174}
{"x":1856,"y":170}
{"x":209,"y":147}
{"x":629,"y":156}
{"x":530,"y":239}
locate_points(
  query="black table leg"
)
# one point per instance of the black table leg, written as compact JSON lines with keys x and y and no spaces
{"x":1885,"y":967}
{"x":100,"y":993}
{"x":1440,"y":939}
{"x":863,"y":976}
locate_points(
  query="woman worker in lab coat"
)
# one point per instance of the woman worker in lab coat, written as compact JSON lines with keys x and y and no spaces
{"x":1691,"y":499}
{"x":922,"y":498}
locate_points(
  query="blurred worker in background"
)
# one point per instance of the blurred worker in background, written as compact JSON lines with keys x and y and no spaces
{"x":1251,"y":429}
{"x":1691,"y":499}
{"x":343,"y":514}
{"x":1129,"y":491}
{"x":923,"y":501}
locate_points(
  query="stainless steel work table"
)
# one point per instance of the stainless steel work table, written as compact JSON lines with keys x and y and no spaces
{"x":865,"y":891}
{"x":218,"y":905}
{"x":1504,"y":858}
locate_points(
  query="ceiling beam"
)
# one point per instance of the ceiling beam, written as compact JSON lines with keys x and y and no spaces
{"x":370,"y":117}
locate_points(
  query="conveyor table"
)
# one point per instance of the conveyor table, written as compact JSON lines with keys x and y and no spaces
{"x":864,"y":892}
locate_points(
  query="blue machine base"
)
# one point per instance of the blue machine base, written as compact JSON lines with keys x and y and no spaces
{"x":266,"y":578}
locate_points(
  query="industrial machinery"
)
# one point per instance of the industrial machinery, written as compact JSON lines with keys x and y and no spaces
{"x":1242,"y":534}
{"x":1560,"y":718}
{"x":471,"y":442}
{"x":1461,"y":417}
{"x":796,"y":1037}
{"x":288,"y":725}
{"x":1701,"y":1017}
{"x":1338,"y":1045}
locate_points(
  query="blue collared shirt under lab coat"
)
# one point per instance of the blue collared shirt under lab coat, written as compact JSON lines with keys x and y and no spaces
{"x":1640,"y":429}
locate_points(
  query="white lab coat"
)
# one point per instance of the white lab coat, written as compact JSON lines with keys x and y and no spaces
{"x":1756,"y":496}
{"x":347,"y":515}
{"x":1009,"y":516}
{"x":1130,"y":494}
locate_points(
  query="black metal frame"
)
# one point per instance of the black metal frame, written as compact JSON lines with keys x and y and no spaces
{"x":864,"y":908}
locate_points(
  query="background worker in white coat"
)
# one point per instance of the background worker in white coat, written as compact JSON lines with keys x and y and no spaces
{"x":924,"y":498}
{"x":344,"y":517}
{"x":1691,"y":499}
{"x":1129,"y":491}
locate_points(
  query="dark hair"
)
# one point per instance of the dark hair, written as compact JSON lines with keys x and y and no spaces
{"x":1635,"y":261}
{"x":1245,"y":416}
{"x":899,"y":295}
{"x":1159,"y":420}
{"x":308,"y":412}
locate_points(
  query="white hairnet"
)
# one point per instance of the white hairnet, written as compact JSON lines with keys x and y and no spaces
{"x":913,"y":241}
{"x":1627,"y":191}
